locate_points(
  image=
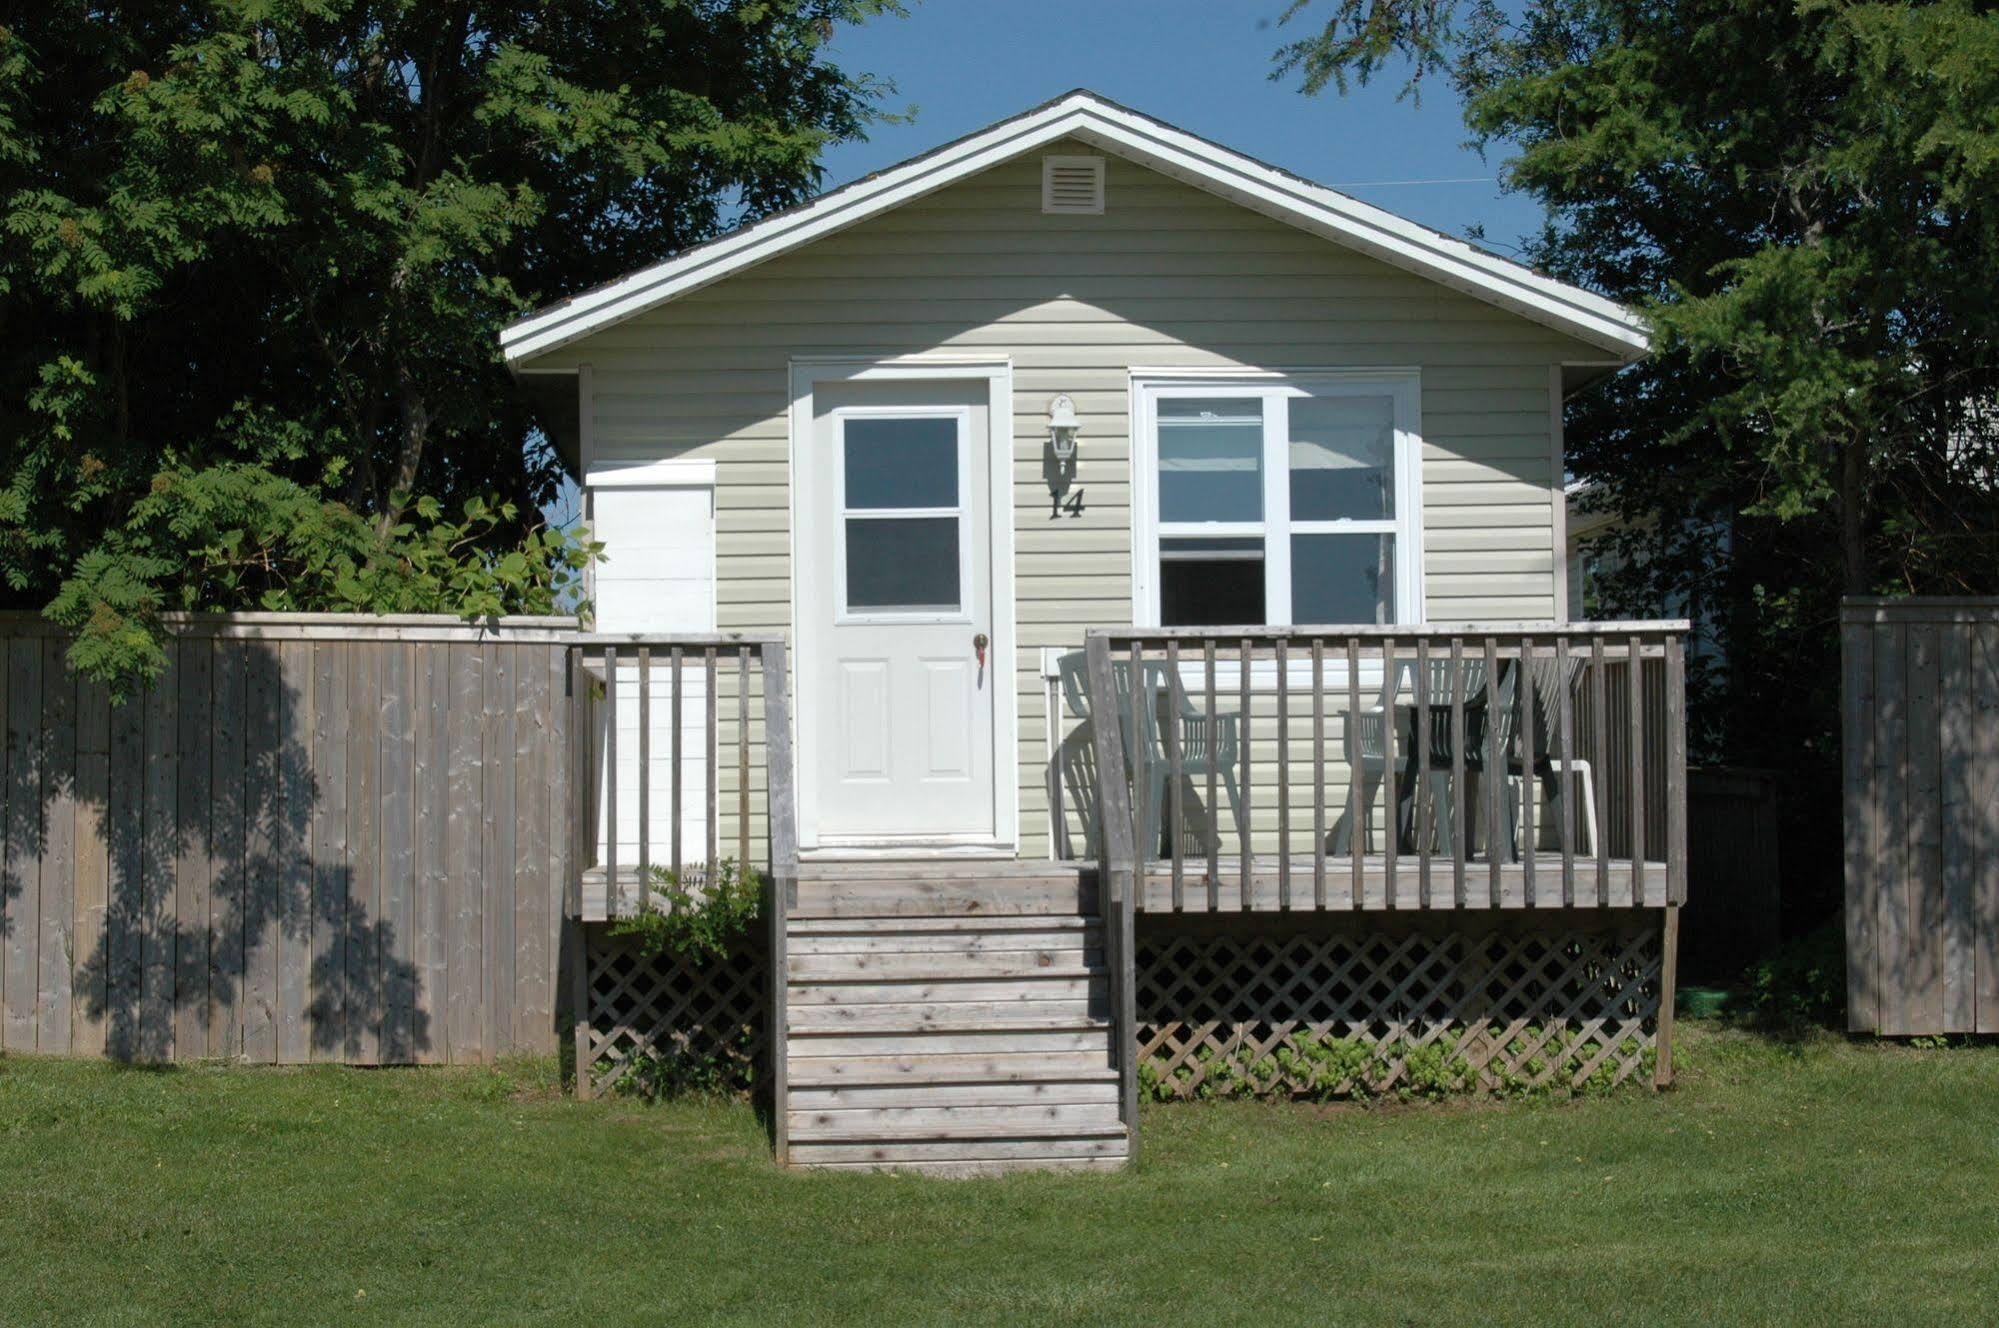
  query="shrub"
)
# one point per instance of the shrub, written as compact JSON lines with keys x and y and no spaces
{"x":1803,"y":984}
{"x":698,"y":923}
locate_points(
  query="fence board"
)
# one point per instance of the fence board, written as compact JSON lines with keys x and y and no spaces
{"x":58,"y":855}
{"x":297,"y":796}
{"x":1920,"y":716}
{"x":263,"y":791}
{"x":228,"y":885}
{"x":193,"y":870}
{"x":90,"y":939}
{"x":329,"y":852}
{"x":398,"y":851}
{"x":20,"y":978}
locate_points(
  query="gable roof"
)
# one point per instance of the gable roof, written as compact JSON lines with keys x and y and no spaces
{"x":1123,"y":132}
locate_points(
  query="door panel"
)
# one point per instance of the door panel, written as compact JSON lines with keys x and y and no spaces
{"x":894,"y":584}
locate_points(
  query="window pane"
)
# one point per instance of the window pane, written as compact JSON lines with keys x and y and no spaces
{"x":1342,"y":579}
{"x":902,"y":562}
{"x":1210,"y":459}
{"x":902,"y":463}
{"x":1342,"y":458}
{"x":1210,"y":582}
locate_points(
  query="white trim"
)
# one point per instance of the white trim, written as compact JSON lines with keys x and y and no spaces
{"x":662,"y":473}
{"x":1148,"y":142}
{"x":806,"y":372}
{"x":1146,"y":387}
{"x":1558,"y":498}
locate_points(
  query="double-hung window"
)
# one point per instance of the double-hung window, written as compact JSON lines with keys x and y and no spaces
{"x":1278,"y":500}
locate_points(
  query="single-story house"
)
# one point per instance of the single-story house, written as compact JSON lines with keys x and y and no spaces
{"x":1083,"y":372}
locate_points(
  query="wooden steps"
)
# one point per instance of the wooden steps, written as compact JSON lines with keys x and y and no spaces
{"x":954,"y":1021}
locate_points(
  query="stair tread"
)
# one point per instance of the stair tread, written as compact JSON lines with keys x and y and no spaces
{"x":870,"y":977}
{"x":1006,"y":1023}
{"x":940,"y":1078}
{"x":869,"y":926}
{"x":912,"y":1133}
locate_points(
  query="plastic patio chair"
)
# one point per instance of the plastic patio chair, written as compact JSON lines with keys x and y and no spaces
{"x":1145,"y":752}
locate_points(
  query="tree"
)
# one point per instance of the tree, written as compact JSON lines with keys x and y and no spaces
{"x":1803,"y":196}
{"x":256,"y":254}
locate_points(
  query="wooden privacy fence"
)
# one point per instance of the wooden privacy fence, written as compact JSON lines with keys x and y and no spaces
{"x":317,"y":838}
{"x":1921,"y":751}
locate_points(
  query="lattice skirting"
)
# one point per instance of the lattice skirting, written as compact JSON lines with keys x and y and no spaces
{"x":1562,"y":999}
{"x":712,"y":1016}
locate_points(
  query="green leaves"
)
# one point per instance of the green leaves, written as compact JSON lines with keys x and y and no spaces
{"x":255,"y":256}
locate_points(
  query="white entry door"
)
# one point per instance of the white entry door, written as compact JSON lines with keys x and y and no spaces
{"x":895,"y":615}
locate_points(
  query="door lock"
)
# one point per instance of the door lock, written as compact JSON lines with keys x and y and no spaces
{"x":979,"y":644}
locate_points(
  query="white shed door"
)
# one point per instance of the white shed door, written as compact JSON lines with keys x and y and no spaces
{"x":894,"y":613}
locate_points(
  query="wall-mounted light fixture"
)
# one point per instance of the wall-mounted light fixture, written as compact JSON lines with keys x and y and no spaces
{"x":1062,"y":427}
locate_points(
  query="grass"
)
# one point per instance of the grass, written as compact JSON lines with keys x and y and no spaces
{"x":1816,"y":1182}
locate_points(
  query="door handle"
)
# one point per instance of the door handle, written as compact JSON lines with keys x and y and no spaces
{"x":979,"y":644}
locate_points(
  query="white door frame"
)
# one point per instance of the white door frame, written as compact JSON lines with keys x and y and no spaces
{"x":807,"y":372}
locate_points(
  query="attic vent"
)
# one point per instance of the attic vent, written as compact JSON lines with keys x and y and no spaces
{"x":1073,"y":185}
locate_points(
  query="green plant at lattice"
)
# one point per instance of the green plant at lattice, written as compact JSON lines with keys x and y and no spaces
{"x":1320,"y":1067}
{"x":725,"y":1068}
{"x":699,"y":916}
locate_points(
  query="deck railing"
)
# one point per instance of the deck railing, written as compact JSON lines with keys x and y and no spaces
{"x":685,"y":763}
{"x":1347,"y":767}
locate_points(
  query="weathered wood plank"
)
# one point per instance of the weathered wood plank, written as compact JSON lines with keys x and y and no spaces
{"x":20,"y":970}
{"x":158,"y":852}
{"x":399,"y":799}
{"x":462,"y":854}
{"x":1983,"y":683}
{"x":194,"y":872}
{"x":227,"y":822}
{"x":90,"y":944}
{"x":54,"y":1004}
{"x":263,"y":814}
{"x":364,"y":854}
{"x":1923,"y":906}
{"x":498,"y":880}
{"x":327,"y":1010}
{"x":1957,"y":853}
{"x":298,"y":798}
{"x":431,"y":777}
{"x":124,"y":826}
{"x":1891,"y":750}
{"x":1862,"y":829}
{"x":529,"y":770}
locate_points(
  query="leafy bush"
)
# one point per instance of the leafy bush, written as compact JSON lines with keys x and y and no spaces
{"x":1803,"y":984}
{"x":685,"y":1071}
{"x":697,"y":923}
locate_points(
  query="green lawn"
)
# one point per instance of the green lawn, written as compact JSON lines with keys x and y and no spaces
{"x":1826,"y":1182}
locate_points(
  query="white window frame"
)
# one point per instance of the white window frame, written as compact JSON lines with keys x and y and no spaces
{"x":1271,"y":388}
{"x":962,"y":419}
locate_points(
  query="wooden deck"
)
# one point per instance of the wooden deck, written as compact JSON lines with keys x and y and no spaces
{"x":901,"y":888}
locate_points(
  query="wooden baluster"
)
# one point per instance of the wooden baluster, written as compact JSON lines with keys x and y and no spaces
{"x":1176,"y":774}
{"x":714,"y":766}
{"x":1283,"y":776}
{"x":1214,"y":765}
{"x":1635,"y":708}
{"x":611,"y":780}
{"x":1529,"y":895}
{"x":1318,"y":773}
{"x":673,"y":748}
{"x":1460,"y":801}
{"x":743,"y":759}
{"x":1676,"y":772}
{"x":1494,"y":775}
{"x":1565,"y":752}
{"x":1599,"y":706}
{"x":1425,"y":813}
{"x":645,"y":781}
{"x":1391,"y":833}
{"x":1243,"y":739}
{"x":1141,"y":776}
{"x":1356,"y":817}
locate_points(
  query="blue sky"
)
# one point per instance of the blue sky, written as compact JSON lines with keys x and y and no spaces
{"x":1203,"y":65}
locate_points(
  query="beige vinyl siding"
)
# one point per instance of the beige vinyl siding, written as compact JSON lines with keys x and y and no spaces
{"x":1168,"y":276}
